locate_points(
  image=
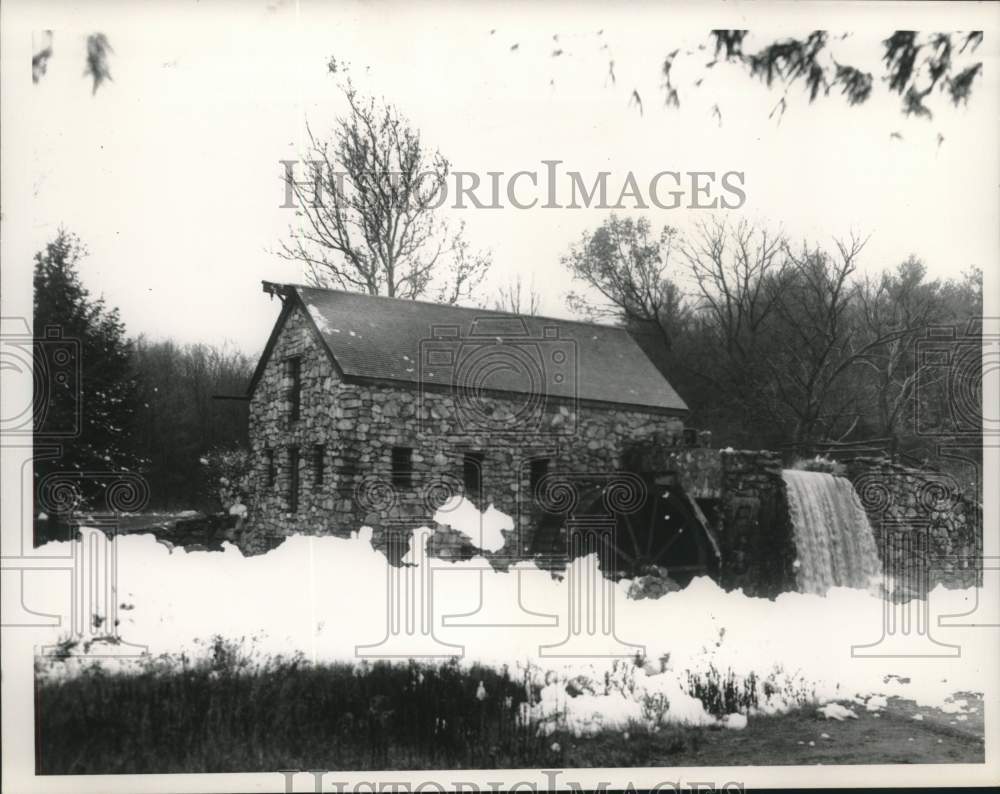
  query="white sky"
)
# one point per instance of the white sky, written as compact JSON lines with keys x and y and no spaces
{"x":170,"y":173}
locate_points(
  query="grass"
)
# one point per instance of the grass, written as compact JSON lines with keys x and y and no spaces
{"x":783,"y":740}
{"x":229,"y":711}
{"x":892,"y":737}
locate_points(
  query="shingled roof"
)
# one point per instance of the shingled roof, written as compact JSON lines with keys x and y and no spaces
{"x":373,"y":338}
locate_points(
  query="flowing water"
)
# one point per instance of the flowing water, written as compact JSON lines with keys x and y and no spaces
{"x":833,"y":538}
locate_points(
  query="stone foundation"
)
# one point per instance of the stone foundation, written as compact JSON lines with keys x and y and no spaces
{"x":922,"y":520}
{"x":742,"y":494}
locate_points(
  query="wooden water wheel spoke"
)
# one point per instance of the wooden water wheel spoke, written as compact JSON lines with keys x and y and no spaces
{"x":651,"y":536}
{"x":620,"y":553}
{"x":631,"y":532}
{"x":648,"y":542}
{"x":659,"y":506}
{"x":671,"y":542}
{"x":628,"y":539}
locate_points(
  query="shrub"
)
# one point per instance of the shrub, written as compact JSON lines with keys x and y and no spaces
{"x":723,"y":694}
{"x":655,"y":706}
{"x":226,"y":475}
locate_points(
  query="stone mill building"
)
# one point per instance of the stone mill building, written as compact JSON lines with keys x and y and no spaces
{"x":373,"y":411}
{"x":377,"y":412}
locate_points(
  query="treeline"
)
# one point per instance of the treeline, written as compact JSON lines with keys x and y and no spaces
{"x":772,"y":344}
{"x":180,"y":417}
{"x":789,"y":346}
{"x":105,"y":403}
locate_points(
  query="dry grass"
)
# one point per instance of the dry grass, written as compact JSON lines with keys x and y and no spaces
{"x":229,"y":711}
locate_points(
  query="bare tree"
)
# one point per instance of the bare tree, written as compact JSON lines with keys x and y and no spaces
{"x":819,"y":339}
{"x":896,"y":306}
{"x":517,"y":299}
{"x":737,"y":271}
{"x":369,"y":211}
{"x":774,"y":345}
{"x":628,"y":268}
{"x":709,"y":343}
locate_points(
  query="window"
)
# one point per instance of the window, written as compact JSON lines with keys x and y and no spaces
{"x":319,"y":463}
{"x":269,"y":466}
{"x":472,"y":474}
{"x":293,"y":371}
{"x":539,"y":468}
{"x":293,"y":479}
{"x":402,"y":466}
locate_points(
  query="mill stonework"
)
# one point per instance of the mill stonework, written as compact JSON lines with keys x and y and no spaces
{"x":357,"y":418}
{"x":377,"y":412}
{"x":925,"y":522}
{"x":742,"y":495}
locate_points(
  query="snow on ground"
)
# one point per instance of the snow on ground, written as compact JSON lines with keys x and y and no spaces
{"x":325,"y":596}
{"x":835,"y":711}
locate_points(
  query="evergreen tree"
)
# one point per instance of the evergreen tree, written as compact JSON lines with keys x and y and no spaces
{"x":85,"y":391}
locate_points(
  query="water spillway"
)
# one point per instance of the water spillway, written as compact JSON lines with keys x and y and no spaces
{"x":833,"y":538}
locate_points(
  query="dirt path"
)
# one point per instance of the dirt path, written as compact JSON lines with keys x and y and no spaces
{"x":891,"y":736}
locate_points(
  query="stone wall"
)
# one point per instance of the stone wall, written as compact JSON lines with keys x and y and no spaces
{"x":743,"y":496}
{"x":360,"y":424}
{"x":923,"y":521}
{"x":757,"y":536}
{"x":700,"y":470}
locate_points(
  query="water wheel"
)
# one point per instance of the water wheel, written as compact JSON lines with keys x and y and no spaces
{"x":664,"y":531}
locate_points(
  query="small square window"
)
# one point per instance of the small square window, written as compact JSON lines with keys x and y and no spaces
{"x":293,"y":479}
{"x":319,"y":464}
{"x":402,"y":467}
{"x":269,"y":471}
{"x":472,"y":474}
{"x":539,"y":468}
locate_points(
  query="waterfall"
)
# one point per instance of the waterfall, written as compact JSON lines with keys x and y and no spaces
{"x":833,"y":538}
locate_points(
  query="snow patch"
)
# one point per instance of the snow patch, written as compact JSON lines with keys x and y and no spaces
{"x":876,"y":703}
{"x":736,"y":722}
{"x":834,"y":711}
{"x":955,"y":706}
{"x":324,"y":596}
